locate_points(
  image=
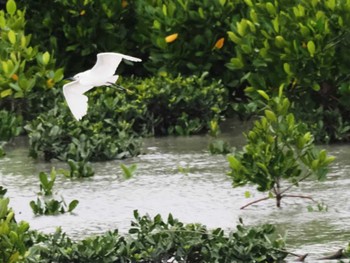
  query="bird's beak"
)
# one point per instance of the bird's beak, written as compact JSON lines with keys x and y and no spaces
{"x":69,"y":78}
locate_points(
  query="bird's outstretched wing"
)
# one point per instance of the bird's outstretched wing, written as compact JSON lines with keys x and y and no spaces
{"x":76,"y":100}
{"x":107,"y":63}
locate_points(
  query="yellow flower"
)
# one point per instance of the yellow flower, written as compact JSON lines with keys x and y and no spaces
{"x":14,"y":77}
{"x":220,"y":43}
{"x":171,"y":38}
{"x":124,"y":3}
{"x":49,"y":83}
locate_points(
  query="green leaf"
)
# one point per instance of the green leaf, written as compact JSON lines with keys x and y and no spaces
{"x":330,"y":4}
{"x":329,"y":160}
{"x":249,"y":3}
{"x":242,"y":27}
{"x":286,"y":68}
{"x":5,"y":93}
{"x":263,"y":94}
{"x":234,"y":163}
{"x":235,"y":63}
{"x":247,"y":194}
{"x":233,"y":37}
{"x":11,"y":7}
{"x":2,"y":21}
{"x":316,"y":87}
{"x":72,"y":205}
{"x":311,"y":48}
{"x":128,"y":172}
{"x":12,"y":37}
{"x":164,"y":9}
{"x":270,"y":115}
{"x":4,"y":207}
{"x":43,"y":179}
{"x":46,"y":58}
{"x":270,"y":8}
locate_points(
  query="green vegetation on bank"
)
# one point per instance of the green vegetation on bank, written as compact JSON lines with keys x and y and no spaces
{"x":148,"y":240}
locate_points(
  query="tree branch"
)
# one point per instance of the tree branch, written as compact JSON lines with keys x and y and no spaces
{"x":300,"y":196}
{"x":301,"y":179}
{"x":255,"y":201}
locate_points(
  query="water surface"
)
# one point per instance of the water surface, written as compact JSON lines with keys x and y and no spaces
{"x":203,"y":193}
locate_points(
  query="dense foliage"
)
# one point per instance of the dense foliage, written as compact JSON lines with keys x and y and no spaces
{"x":13,"y":235}
{"x":78,"y":30}
{"x":303,"y":44}
{"x":180,"y":106}
{"x":155,"y":106}
{"x":156,"y":240}
{"x":26,"y":75}
{"x":148,"y":240}
{"x":242,"y":42}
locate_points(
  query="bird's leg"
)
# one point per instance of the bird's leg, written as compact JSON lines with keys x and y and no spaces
{"x":116,"y":86}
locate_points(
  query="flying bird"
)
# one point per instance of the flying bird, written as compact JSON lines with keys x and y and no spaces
{"x":101,"y":74}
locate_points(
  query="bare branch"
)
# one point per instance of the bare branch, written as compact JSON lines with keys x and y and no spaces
{"x":301,"y":179}
{"x":254,"y":202}
{"x":299,"y":196}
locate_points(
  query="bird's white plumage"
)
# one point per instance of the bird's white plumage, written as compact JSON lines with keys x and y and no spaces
{"x":76,"y":100}
{"x":101,"y":74}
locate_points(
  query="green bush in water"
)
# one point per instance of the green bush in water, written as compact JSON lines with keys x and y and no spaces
{"x":158,"y":240}
{"x":115,"y":119}
{"x":55,"y":134}
{"x":279,"y":151}
{"x":180,"y":106}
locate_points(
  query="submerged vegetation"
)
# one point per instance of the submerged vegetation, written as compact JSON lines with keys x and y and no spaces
{"x":46,"y":206}
{"x":200,"y":60}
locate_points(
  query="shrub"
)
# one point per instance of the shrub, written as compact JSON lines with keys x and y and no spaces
{"x":55,"y":134}
{"x":279,"y":151}
{"x":77,"y":30}
{"x":181,"y":105}
{"x":26,"y":75}
{"x":301,"y":43}
{"x":13,"y":235}
{"x":186,"y":37}
{"x":10,"y":125}
{"x":158,"y":240}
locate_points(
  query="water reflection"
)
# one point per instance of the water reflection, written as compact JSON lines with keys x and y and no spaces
{"x":202,"y":193}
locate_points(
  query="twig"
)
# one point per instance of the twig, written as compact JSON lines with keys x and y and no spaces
{"x":255,"y":201}
{"x":300,"y":258}
{"x":301,"y":179}
{"x":299,"y":196}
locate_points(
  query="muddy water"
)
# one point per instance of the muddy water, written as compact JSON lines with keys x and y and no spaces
{"x":177,"y":175}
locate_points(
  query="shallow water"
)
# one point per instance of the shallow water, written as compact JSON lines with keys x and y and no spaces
{"x":203,"y":194}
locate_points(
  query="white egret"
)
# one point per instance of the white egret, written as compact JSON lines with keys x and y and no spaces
{"x":101,"y":74}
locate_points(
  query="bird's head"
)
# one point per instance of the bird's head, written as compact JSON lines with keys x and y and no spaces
{"x":77,"y":76}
